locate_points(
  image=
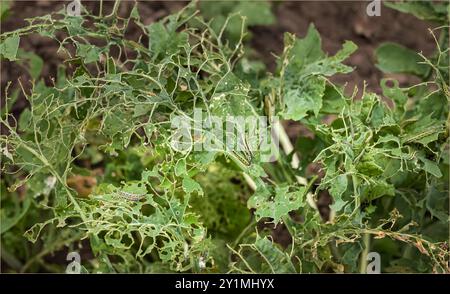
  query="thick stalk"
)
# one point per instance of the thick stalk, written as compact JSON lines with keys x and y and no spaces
{"x":363,"y":260}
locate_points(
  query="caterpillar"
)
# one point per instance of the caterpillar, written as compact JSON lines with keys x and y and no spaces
{"x":425,"y":133}
{"x":245,"y":160}
{"x":130,"y":196}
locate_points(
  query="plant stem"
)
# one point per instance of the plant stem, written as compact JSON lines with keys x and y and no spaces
{"x":100,"y":14}
{"x":288,"y":148}
{"x":115,"y":9}
{"x":244,"y":232}
{"x":363,"y":260}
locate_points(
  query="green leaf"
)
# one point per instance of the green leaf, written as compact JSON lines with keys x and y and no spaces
{"x":423,"y":131}
{"x":134,"y":188}
{"x":74,"y":25}
{"x":279,"y":206}
{"x":350,"y":255}
{"x":190,"y":186}
{"x":332,"y":65}
{"x":308,"y":49}
{"x":395,"y":93}
{"x":377,"y":189}
{"x":347,"y":49}
{"x":9,"y":47}
{"x":369,"y":166}
{"x":89,"y":53}
{"x":306,"y":65}
{"x":302,"y":100}
{"x":332,"y":102}
{"x":165,"y":41}
{"x":34,"y":63}
{"x":263,"y":256}
{"x":431,"y":167}
{"x":180,"y":167}
{"x":256,"y":12}
{"x":425,"y":10}
{"x":437,"y":202}
{"x":25,"y":119}
{"x":339,"y":186}
{"x":5,"y":7}
{"x":277,"y":260}
{"x":9,"y":221}
{"x":394,"y":58}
